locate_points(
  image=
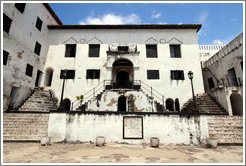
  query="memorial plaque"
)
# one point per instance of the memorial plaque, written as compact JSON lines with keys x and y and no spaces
{"x":132,"y":127}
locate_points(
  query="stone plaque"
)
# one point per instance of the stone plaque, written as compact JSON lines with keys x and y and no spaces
{"x":132,"y":127}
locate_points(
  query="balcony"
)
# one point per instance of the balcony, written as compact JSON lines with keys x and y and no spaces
{"x":114,"y":85}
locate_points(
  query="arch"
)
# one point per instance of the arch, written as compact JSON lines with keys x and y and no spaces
{"x":66,"y":104}
{"x":236,"y":104}
{"x":122,"y":104}
{"x":177,"y":105}
{"x":122,"y":73}
{"x":169,"y":104}
{"x":48,"y":76}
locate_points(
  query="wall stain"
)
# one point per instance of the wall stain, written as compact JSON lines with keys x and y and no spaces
{"x":19,"y":54}
{"x":105,"y":64}
{"x":111,"y":103}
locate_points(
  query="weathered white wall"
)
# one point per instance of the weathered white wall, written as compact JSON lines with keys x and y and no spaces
{"x":20,"y":43}
{"x":170,"y":129}
{"x":164,"y":63}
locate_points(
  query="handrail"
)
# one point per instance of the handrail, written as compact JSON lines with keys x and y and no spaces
{"x":102,"y":85}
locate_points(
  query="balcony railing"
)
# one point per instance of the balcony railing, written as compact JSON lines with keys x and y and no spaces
{"x":124,"y":84}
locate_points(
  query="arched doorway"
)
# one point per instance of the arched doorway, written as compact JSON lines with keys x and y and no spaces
{"x":122,"y":73}
{"x":66,"y":104}
{"x":122,"y":104}
{"x":48,"y":77}
{"x":236,"y":104}
{"x":177,"y":105}
{"x":169,"y":104}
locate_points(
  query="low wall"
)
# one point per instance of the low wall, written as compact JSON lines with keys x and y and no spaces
{"x":128,"y":128}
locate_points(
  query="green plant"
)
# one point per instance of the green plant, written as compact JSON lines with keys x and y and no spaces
{"x":80,"y":98}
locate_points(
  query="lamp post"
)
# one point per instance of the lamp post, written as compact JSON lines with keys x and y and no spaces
{"x":64,"y":76}
{"x":190,"y":76}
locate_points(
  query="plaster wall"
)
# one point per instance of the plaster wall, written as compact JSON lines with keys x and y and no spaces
{"x":170,"y":129}
{"x":20,"y":43}
{"x":181,"y":89}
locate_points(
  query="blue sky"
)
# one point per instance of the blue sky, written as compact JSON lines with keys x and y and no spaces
{"x":221,"y":22}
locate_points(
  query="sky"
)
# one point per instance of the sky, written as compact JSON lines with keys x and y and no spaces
{"x":221,"y":22}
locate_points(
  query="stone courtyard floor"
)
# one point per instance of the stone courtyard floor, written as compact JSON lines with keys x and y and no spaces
{"x":118,"y":153}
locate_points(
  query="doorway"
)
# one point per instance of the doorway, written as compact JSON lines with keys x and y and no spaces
{"x":38,"y":78}
{"x":48,"y":77}
{"x":122,"y":104}
{"x":67,"y":104}
{"x":236,"y":104}
{"x":122,"y":79}
{"x":13,"y":97}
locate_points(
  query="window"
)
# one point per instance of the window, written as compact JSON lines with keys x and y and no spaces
{"x":177,"y":74}
{"x":211,"y":83}
{"x":152,"y":74}
{"x":5,"y":57}
{"x":37,"y":48}
{"x":39,"y":23}
{"x":175,"y":51}
{"x":20,"y":7}
{"x":6,"y":23}
{"x":151,"y":51}
{"x":29,"y":69}
{"x":93,"y":74}
{"x":242,"y":65}
{"x":94,"y":50}
{"x":123,"y":48}
{"x":70,"y":50}
{"x":70,"y":74}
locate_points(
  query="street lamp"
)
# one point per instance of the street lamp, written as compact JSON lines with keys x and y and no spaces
{"x":64,"y":76}
{"x":190,"y":76}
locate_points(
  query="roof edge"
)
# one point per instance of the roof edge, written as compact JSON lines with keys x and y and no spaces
{"x":131,"y":26}
{"x":53,"y":13}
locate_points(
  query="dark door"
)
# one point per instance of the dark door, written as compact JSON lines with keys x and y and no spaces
{"x":37,"y":82}
{"x":122,"y":79}
{"x":122,"y":104}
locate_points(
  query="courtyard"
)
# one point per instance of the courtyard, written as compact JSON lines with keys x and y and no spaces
{"x":24,"y":152}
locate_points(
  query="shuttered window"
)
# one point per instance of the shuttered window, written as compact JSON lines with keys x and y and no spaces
{"x":151,"y":51}
{"x":153,"y":74}
{"x":177,"y":74}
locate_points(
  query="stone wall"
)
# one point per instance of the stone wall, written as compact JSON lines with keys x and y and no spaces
{"x":85,"y":127}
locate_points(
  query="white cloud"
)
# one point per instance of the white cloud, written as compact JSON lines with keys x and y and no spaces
{"x":179,"y":23}
{"x":111,"y":18}
{"x":162,"y":23}
{"x":155,"y":15}
{"x":217,"y":42}
{"x":203,"y":17}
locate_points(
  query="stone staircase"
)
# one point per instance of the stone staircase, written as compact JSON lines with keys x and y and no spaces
{"x":204,"y":104}
{"x":25,"y":126}
{"x":227,"y":129}
{"x":39,"y":101}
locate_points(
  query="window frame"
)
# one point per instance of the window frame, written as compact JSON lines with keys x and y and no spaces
{"x":93,"y":74}
{"x":39,"y":24}
{"x":177,"y":74}
{"x":7,"y":22}
{"x":72,"y":52}
{"x":37,"y":49}
{"x":149,"y":51}
{"x":21,"y":8}
{"x":211,"y":83}
{"x":70,"y":74}
{"x":5,"y":57}
{"x":173,"y":53}
{"x":29,"y":70}
{"x":153,"y":74}
{"x":92,"y":53}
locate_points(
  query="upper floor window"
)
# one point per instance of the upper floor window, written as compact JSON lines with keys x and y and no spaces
{"x":6,"y":23}
{"x":177,"y":74}
{"x":211,"y":83}
{"x":39,"y":23}
{"x":94,"y":50}
{"x":123,"y":48}
{"x":20,"y":7}
{"x":70,"y":50}
{"x":29,"y":69}
{"x":175,"y":51}
{"x":5,"y":57}
{"x":151,"y":51}
{"x":67,"y":74}
{"x":37,"y":48}
{"x":153,"y":74}
{"x":93,"y":74}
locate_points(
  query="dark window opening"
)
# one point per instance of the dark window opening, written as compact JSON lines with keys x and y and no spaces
{"x":39,"y":23}
{"x":37,"y":48}
{"x":232,"y":78}
{"x":67,"y":104}
{"x":122,"y":104}
{"x":152,"y":74}
{"x":5,"y":57}
{"x":151,"y":51}
{"x":70,"y":74}
{"x":70,"y":50}
{"x":29,"y":69}
{"x":169,"y":104}
{"x":211,"y":83}
{"x":175,"y":51}
{"x":242,"y":65}
{"x":177,"y":105}
{"x":20,"y":7}
{"x":94,"y":50}
{"x":123,"y":48}
{"x":177,"y":74}
{"x":6,"y":23}
{"x":93,"y":74}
